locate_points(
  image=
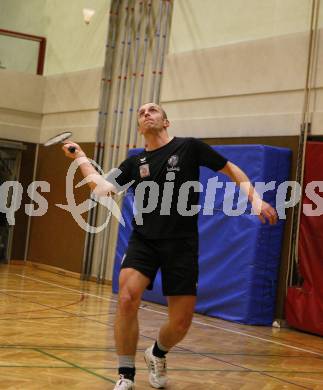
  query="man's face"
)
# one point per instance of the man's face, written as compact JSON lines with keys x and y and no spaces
{"x":151,"y":119}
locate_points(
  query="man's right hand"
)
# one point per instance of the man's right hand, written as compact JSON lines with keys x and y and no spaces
{"x":78,"y":151}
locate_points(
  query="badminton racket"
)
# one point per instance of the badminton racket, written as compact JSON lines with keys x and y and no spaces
{"x":59,"y":138}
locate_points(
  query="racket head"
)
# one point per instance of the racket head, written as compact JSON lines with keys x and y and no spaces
{"x":58,"y":138}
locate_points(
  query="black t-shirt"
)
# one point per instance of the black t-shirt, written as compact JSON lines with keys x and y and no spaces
{"x":176,"y":164}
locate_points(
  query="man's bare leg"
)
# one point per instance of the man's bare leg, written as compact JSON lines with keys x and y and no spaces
{"x":180,"y":314}
{"x":131,"y":287}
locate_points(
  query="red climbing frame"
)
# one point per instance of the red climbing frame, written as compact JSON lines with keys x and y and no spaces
{"x":304,"y":305}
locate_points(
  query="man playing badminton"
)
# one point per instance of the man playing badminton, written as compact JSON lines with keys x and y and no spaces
{"x":165,"y":238}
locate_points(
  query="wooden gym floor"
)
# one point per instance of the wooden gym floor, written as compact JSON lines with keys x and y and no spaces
{"x":57,"y":333}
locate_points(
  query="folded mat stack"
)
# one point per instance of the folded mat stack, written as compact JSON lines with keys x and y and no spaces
{"x":239,"y":257}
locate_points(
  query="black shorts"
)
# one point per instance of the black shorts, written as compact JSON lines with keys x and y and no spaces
{"x":177,"y":259}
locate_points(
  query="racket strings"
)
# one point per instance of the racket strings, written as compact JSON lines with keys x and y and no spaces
{"x":58,"y":138}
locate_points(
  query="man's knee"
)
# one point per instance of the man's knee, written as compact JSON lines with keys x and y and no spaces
{"x":181,"y":324}
{"x":132,"y":284}
{"x":128,"y":302}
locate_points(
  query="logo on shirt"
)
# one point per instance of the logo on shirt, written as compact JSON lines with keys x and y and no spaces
{"x":172,"y":162}
{"x":144,"y":170}
{"x":143,"y":160}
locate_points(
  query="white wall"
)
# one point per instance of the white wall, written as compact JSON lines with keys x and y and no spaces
{"x":201,"y":24}
{"x":71,"y":44}
{"x":23,"y":16}
{"x":248,"y":87}
{"x":34,"y":108}
{"x":19,"y":54}
{"x":237,"y":68}
{"x":71,"y":101}
{"x":21,"y":103}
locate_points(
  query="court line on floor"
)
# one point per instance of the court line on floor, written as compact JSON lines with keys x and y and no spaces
{"x":181,"y":348}
{"x":35,"y":292}
{"x":241,"y":368}
{"x":70,"y":364}
{"x":196,"y":322}
{"x":145,"y":369}
{"x":74,"y":365}
{"x":68,"y":315}
{"x":247,"y":369}
{"x":47,"y":307}
{"x":174,"y":351}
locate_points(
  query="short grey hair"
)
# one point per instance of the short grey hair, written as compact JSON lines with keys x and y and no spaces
{"x":160,"y":107}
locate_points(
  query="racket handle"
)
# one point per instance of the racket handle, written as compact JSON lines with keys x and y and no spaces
{"x":72,"y":149}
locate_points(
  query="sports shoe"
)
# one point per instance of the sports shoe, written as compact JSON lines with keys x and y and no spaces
{"x":157,"y":369}
{"x":124,"y":384}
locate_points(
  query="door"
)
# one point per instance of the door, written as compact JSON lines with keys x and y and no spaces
{"x":9,"y":171}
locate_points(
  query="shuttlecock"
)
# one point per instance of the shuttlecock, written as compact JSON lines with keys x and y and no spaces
{"x":87,"y":14}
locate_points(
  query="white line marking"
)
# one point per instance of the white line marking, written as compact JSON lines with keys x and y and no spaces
{"x":34,"y":292}
{"x":246,"y":335}
{"x":194,"y":321}
{"x":65,"y":288}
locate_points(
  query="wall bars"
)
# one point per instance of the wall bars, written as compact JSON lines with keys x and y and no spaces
{"x":134,"y":59}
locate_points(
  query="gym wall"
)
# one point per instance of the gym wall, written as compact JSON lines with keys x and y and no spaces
{"x":71,"y":44}
{"x":235,"y":73}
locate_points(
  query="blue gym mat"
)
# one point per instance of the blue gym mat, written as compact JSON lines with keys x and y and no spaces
{"x":239,"y":256}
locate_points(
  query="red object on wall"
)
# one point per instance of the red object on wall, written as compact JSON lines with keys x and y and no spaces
{"x":304,"y":305}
